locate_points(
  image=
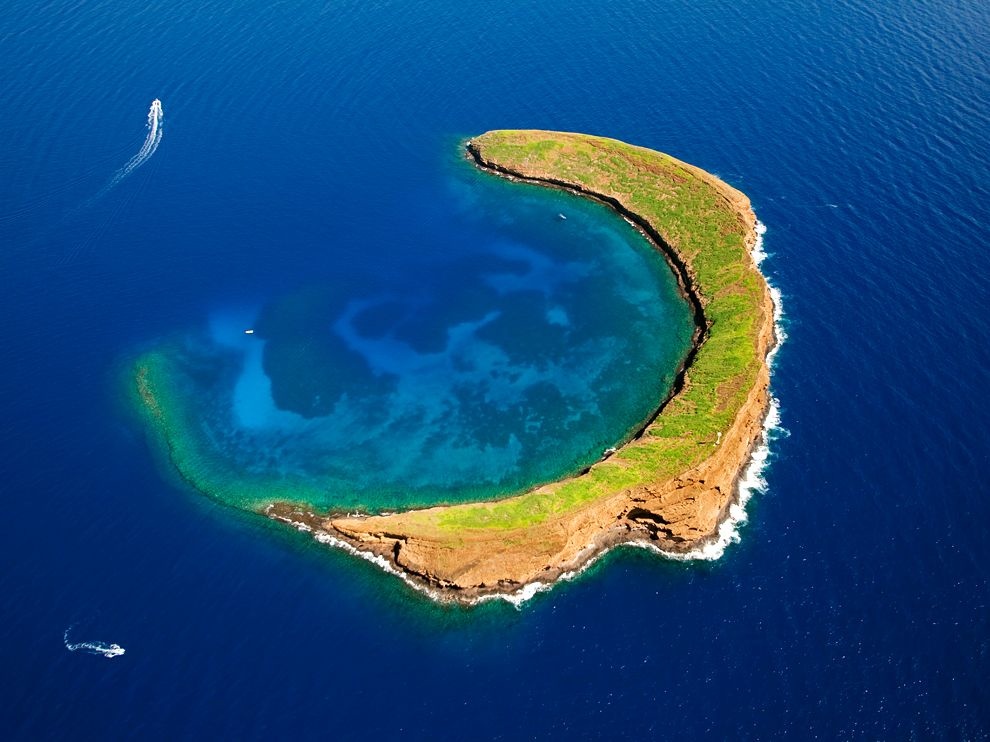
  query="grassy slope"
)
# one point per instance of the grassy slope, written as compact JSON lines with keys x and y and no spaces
{"x":694,"y":218}
{"x":705,"y":230}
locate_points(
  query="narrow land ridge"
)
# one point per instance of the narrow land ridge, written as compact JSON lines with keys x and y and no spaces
{"x":673,"y":483}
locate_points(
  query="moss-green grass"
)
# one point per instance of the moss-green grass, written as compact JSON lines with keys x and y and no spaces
{"x":705,"y":229}
{"x":691,"y":214}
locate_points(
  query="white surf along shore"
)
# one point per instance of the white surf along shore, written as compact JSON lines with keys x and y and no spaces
{"x":750,"y":482}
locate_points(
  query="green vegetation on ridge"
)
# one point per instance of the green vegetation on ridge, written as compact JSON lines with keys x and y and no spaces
{"x":703,"y":222}
{"x":697,"y":220}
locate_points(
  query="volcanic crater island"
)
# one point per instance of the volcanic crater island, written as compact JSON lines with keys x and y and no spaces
{"x":673,"y":483}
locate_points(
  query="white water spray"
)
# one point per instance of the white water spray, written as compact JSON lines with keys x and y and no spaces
{"x":107,"y":650}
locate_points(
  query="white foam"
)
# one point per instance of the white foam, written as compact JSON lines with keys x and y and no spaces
{"x":325,"y":538}
{"x":520,"y":596}
{"x":107,"y":650}
{"x":156,"y":117}
{"x":751,"y":482}
{"x":759,"y":255}
{"x":532,"y":589}
{"x":516,"y":598}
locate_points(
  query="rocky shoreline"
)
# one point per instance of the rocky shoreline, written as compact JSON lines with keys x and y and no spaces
{"x":676,"y":515}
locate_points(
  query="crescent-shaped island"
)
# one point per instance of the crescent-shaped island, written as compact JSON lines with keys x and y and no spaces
{"x":672,"y":485}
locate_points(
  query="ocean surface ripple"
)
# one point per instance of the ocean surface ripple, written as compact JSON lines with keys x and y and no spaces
{"x":319,"y":142}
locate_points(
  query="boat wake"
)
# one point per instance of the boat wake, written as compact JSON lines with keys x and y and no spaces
{"x":107,"y":650}
{"x":155,"y":121}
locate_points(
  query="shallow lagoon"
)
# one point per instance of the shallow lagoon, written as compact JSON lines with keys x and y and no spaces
{"x":546,"y":333}
{"x":304,"y":139}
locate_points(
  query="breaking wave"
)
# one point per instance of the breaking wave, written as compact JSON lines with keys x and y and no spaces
{"x":751,"y":482}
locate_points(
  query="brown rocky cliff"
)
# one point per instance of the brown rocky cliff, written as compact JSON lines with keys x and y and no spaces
{"x":678,"y":514}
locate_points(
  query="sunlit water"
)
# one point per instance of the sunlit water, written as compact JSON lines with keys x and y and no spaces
{"x":309,"y":155}
{"x":541,"y":331}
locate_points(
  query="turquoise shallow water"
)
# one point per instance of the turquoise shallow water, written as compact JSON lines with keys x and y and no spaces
{"x":542,"y":331}
{"x":313,"y":145}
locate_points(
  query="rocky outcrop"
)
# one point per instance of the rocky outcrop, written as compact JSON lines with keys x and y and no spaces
{"x":677,"y":513}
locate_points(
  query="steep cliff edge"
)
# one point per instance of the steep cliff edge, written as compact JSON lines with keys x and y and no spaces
{"x":671,"y":485}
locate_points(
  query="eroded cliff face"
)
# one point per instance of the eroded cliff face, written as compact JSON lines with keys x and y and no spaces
{"x":677,"y":514}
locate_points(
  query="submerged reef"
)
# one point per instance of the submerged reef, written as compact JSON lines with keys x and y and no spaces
{"x":670,"y":484}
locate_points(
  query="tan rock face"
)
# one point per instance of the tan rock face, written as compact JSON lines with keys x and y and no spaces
{"x":677,"y":514}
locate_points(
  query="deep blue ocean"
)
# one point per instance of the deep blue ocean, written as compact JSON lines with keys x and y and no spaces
{"x":315,"y":148}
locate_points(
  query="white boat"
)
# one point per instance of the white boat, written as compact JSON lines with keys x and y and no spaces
{"x":107,"y":650}
{"x":114,"y":650}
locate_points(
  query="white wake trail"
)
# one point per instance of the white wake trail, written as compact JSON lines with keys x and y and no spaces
{"x":107,"y":650}
{"x":151,"y":142}
{"x":156,"y":117}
